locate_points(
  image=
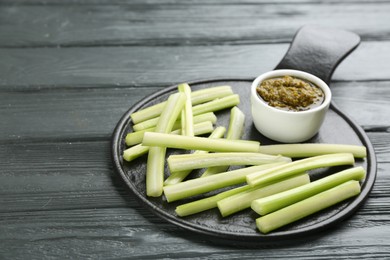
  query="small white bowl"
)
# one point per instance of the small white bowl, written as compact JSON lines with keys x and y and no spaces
{"x":288,"y":126}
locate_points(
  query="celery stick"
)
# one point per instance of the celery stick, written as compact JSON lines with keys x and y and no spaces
{"x":313,"y":149}
{"x":207,"y":203}
{"x":177,"y":177}
{"x":209,"y":116}
{"x":214,"y":170}
{"x":208,"y":94}
{"x":136,"y":137}
{"x":201,"y":185}
{"x":156,"y":155}
{"x":155,"y":171}
{"x":182,"y":162}
{"x":187,"y":121}
{"x":235,"y":131}
{"x":138,"y":150}
{"x":134,"y":152}
{"x":197,"y":97}
{"x":236,"y":124}
{"x":243,"y":200}
{"x":217,"y":104}
{"x":147,"y":113}
{"x":308,"y":206}
{"x":199,"y":143}
{"x":211,"y":106}
{"x":300,"y":166}
{"x":272,"y":203}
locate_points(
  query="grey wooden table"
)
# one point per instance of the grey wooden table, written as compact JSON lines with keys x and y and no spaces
{"x":68,"y":71}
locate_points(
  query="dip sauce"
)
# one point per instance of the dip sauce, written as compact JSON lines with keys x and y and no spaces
{"x":290,"y":93}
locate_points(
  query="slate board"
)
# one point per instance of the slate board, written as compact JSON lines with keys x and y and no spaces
{"x":240,"y":228}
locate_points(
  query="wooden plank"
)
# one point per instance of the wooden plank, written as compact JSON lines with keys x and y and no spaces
{"x":162,"y":66}
{"x":63,"y":198}
{"x":77,"y":175}
{"x":65,"y":113}
{"x":92,"y":113}
{"x":125,"y":233}
{"x":59,"y":175}
{"x":172,"y":24}
{"x":176,"y":2}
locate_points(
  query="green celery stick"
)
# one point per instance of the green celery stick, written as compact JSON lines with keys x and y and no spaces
{"x":207,"y":203}
{"x":211,"y":106}
{"x":308,"y":206}
{"x":209,"y":116}
{"x":138,"y":150}
{"x":313,"y":149}
{"x":134,"y":152}
{"x":201,"y":185}
{"x":182,"y":162}
{"x":236,"y":124}
{"x":156,"y":155}
{"x":243,"y":200}
{"x":207,"y":94}
{"x":177,"y":177}
{"x":298,"y":166}
{"x":269,"y":204}
{"x":235,"y":131}
{"x":187,"y":121}
{"x":197,"y":97}
{"x":199,"y":143}
{"x":217,"y":104}
{"x":136,"y":137}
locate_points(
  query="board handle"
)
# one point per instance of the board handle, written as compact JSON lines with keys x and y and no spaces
{"x":319,"y":50}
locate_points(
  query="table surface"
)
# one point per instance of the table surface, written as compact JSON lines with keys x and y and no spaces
{"x":68,"y":72}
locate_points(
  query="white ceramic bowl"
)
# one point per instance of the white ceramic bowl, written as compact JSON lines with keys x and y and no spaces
{"x":288,"y":126}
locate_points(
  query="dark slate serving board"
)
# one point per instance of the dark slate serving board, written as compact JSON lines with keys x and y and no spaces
{"x":240,"y":228}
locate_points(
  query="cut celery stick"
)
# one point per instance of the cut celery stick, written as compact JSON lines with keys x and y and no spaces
{"x":308,"y":206}
{"x":197,"y":97}
{"x":235,"y":131}
{"x":243,"y":200}
{"x":212,"y":106}
{"x":201,"y":185}
{"x":177,"y":177}
{"x":209,"y":116}
{"x":214,"y":170}
{"x":182,"y":162}
{"x":138,"y":150}
{"x":208,"y":94}
{"x":207,"y":203}
{"x":216,"y":104}
{"x":187,"y":121}
{"x":156,"y":155}
{"x":299,"y":166}
{"x":136,"y":137}
{"x":313,"y":149}
{"x":272,"y":203}
{"x":236,"y":124}
{"x":134,"y":152}
{"x":199,"y":143}
{"x":147,"y":113}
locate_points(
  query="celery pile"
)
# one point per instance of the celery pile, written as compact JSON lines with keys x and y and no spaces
{"x":265,"y":180}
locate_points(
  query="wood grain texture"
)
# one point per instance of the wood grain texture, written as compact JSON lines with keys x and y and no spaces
{"x":69,"y":70}
{"x":90,"y":214}
{"x":162,"y":66}
{"x":168,"y":24}
{"x":91,"y":113}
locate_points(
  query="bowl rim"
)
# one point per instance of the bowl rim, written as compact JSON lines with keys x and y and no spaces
{"x":296,"y":73}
